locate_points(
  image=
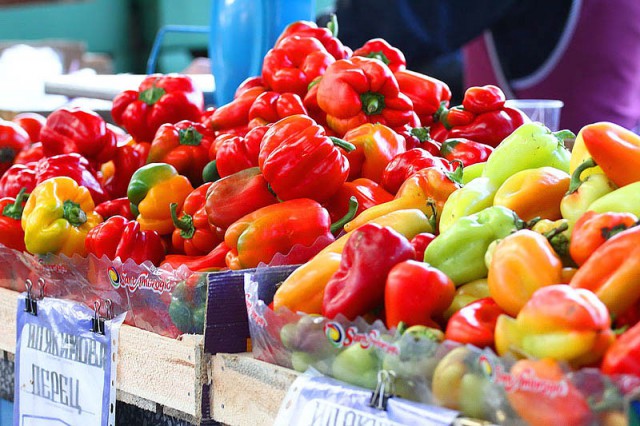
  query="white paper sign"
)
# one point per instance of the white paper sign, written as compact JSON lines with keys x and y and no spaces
{"x":64,"y":373}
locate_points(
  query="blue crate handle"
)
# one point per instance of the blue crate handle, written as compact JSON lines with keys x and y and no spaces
{"x":152,"y":62}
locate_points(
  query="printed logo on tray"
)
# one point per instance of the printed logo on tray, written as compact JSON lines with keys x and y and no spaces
{"x":527,"y":381}
{"x":342,"y":338}
{"x":143,"y":281}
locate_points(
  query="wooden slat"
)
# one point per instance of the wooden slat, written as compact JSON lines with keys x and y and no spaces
{"x":246,"y":391}
{"x":154,"y":372}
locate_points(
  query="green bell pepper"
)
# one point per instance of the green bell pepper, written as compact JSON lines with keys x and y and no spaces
{"x":189,"y":303}
{"x":621,"y":200}
{"x":476,"y":196}
{"x":530,"y":146}
{"x":473,"y":171}
{"x":459,"y":251}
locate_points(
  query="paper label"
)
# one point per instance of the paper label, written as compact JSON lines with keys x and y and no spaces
{"x":64,"y":373}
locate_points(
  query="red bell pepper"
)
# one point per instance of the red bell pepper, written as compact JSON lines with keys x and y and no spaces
{"x":420,"y":137}
{"x":74,"y":166}
{"x":420,"y":243}
{"x":407,"y":163}
{"x":33,"y":153}
{"x":235,"y":114}
{"x":358,"y":286}
{"x":160,"y":99}
{"x":116,"y":207}
{"x":474,"y":323}
{"x":479,"y":99}
{"x":300,"y":161}
{"x":294,"y":63}
{"x":123,"y":238}
{"x":11,"y":232}
{"x":327,"y":36}
{"x":623,"y":356}
{"x":468,"y":152}
{"x":367,"y":192}
{"x":32,"y":123}
{"x":78,"y":130}
{"x":212,"y":261}
{"x":376,"y":145}
{"x":17,"y":177}
{"x":193,"y":236}
{"x":237,"y":195}
{"x":13,"y":140}
{"x":247,"y":84}
{"x":236,"y":153}
{"x":270,"y":107}
{"x":279,"y":228}
{"x":184,"y":145}
{"x":593,"y":229}
{"x":416,"y":294}
{"x":127,"y":159}
{"x":491,"y":127}
{"x":361,"y":90}
{"x":314,"y":111}
{"x":428,"y":94}
{"x":380,"y":49}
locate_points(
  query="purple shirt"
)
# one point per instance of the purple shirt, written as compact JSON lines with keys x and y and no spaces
{"x":594,"y":69}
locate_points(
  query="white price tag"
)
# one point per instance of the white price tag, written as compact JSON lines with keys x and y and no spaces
{"x":64,"y":373}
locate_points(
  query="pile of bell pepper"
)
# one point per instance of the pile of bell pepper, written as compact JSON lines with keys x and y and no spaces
{"x":469,"y":219}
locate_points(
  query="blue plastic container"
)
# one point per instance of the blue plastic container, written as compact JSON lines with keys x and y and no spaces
{"x":241,"y":33}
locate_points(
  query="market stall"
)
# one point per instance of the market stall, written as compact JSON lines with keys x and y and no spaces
{"x":339,"y":232}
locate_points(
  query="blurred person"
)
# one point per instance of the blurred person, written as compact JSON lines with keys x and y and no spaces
{"x":585,"y":53}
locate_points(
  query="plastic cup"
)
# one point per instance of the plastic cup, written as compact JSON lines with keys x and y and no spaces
{"x":545,"y":111}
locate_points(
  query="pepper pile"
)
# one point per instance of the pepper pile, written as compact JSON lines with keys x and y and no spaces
{"x":398,"y":206}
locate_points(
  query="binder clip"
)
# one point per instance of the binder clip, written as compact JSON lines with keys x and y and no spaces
{"x":97,"y":322}
{"x":31,"y":302}
{"x":385,"y":389}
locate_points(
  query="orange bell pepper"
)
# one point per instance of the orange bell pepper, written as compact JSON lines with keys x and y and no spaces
{"x":593,"y":229}
{"x":549,"y":399}
{"x":376,"y":144}
{"x":520,"y":264}
{"x":534,"y":193}
{"x":429,"y":184}
{"x":612,"y":271}
{"x":152,"y":189}
{"x":559,"y":322}
{"x":615,"y":149}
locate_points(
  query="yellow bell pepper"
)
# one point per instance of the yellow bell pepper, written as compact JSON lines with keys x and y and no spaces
{"x":579,"y":154}
{"x":57,"y":217}
{"x":534,"y":193}
{"x":303,"y":290}
{"x":558,"y":322}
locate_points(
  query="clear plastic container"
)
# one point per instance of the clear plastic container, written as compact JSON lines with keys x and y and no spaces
{"x":545,"y":111}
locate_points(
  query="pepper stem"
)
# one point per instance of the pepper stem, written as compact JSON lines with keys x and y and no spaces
{"x":347,"y":146}
{"x":610,"y":232}
{"x":73,"y":213}
{"x":456,"y":175}
{"x":152,"y":95}
{"x":556,"y":231}
{"x":433,"y":219}
{"x":379,"y":55}
{"x":190,"y":136}
{"x":332,"y":25}
{"x":372,"y":103}
{"x":339,"y":224}
{"x":564,"y":134}
{"x":575,"y":182}
{"x":14,"y":211}
{"x":422,"y":133}
{"x":184,"y":224}
{"x":441,"y":115}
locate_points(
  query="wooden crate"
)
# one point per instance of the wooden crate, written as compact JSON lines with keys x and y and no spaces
{"x":155,"y":373}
